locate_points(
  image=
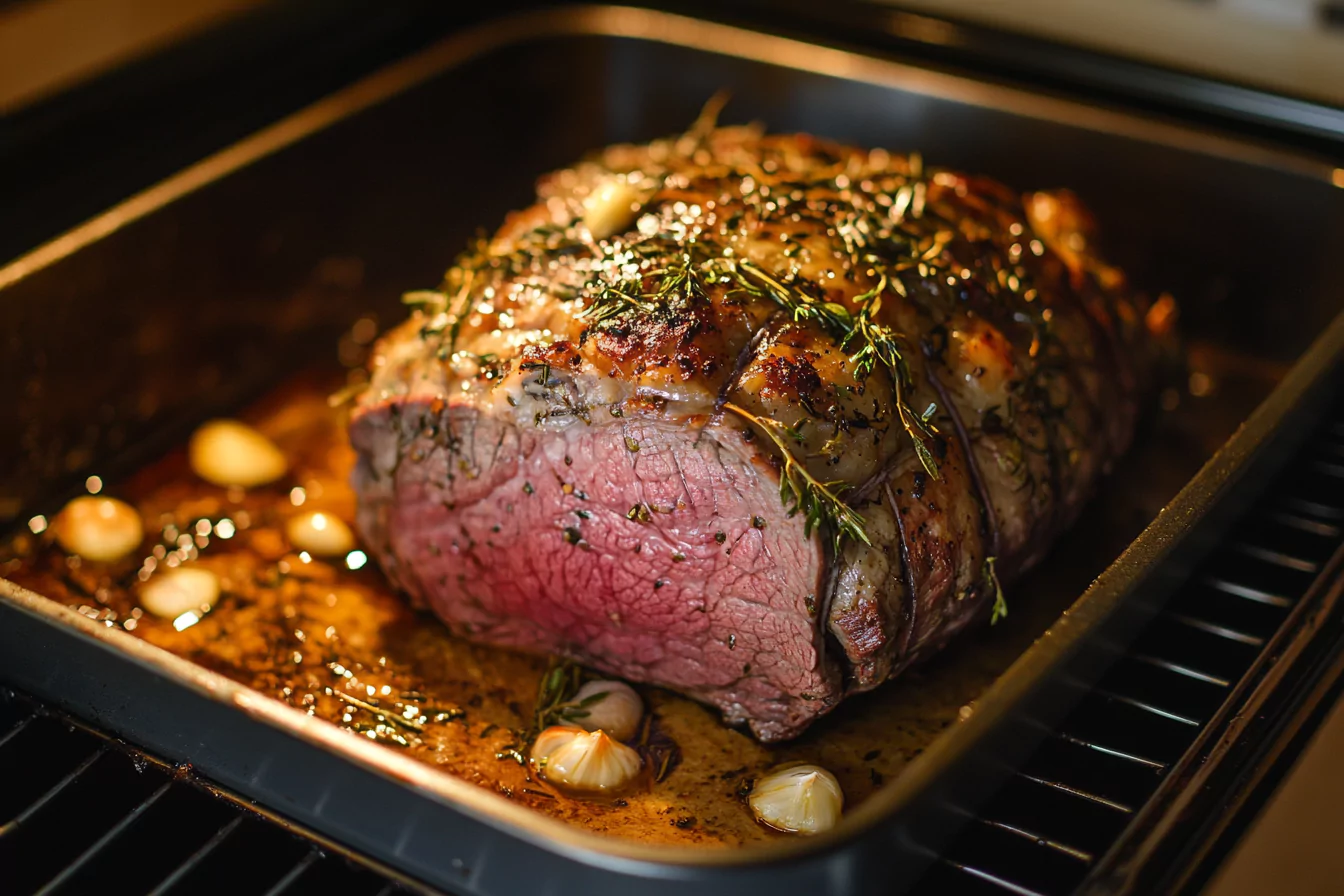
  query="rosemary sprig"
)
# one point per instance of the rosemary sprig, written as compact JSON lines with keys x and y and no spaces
{"x":572,"y":711}
{"x":556,"y":689}
{"x":378,"y":712}
{"x":611,"y":302}
{"x":801,"y":492}
{"x":1000,"y":610}
{"x":555,"y":704}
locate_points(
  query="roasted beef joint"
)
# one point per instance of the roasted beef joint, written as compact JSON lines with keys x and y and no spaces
{"x":761,"y":419}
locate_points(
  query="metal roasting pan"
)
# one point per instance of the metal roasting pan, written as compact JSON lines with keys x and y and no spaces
{"x":204,"y":289}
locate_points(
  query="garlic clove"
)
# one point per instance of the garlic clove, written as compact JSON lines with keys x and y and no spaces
{"x":100,"y":529}
{"x":320,"y":534}
{"x":227,"y":453}
{"x":612,"y":706}
{"x":589,"y":761}
{"x":611,"y":208}
{"x":172,"y":592}
{"x":799,"y":799}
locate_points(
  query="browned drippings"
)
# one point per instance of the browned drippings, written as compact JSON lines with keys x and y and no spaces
{"x":341,"y":644}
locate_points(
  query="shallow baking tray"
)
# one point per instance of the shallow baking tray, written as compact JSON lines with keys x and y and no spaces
{"x":210,"y":286}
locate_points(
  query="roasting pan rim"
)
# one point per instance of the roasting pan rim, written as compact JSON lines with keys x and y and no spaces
{"x":652,"y":26}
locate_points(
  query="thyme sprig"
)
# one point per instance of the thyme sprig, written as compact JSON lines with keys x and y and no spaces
{"x":1000,"y":610}
{"x":447,"y":306}
{"x":482,"y":262}
{"x":880,"y":344}
{"x":873,"y":342}
{"x":833,"y":317}
{"x":801,"y":492}
{"x":680,"y":282}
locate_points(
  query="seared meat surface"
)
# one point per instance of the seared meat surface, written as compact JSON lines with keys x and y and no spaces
{"x":761,"y":419}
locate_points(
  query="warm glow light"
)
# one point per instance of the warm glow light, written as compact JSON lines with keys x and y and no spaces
{"x":305,"y":557}
{"x":1337,"y":177}
{"x":297,"y":496}
{"x":225,"y":529}
{"x":94,"y":484}
{"x":356,"y":559}
{"x":38,"y":524}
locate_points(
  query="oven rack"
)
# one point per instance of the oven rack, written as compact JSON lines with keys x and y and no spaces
{"x":1078,"y":796}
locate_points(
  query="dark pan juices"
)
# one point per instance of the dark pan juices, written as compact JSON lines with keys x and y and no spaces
{"x":341,"y":644}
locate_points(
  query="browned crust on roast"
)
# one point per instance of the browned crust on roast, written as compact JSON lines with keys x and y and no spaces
{"x":1023,"y":353}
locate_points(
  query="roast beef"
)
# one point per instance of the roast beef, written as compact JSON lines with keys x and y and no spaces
{"x":761,"y":419}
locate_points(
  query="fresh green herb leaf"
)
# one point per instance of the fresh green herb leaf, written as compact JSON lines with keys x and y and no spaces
{"x":576,"y":710}
{"x":560,"y":683}
{"x":1000,"y":610}
{"x":819,"y":502}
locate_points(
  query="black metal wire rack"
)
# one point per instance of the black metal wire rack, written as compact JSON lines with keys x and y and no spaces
{"x":1043,"y":833}
{"x":86,"y":814}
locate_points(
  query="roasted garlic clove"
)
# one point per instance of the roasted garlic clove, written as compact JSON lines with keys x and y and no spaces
{"x":611,"y":208}
{"x":183,"y":589}
{"x":320,"y":534}
{"x":611,"y":706}
{"x":799,"y":799}
{"x":101,"y":529}
{"x":227,"y":452}
{"x":589,"y":761}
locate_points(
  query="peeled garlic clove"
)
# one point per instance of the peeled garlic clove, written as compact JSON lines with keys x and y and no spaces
{"x":799,"y":799}
{"x":226,"y":452}
{"x":612,"y":706}
{"x":320,"y":534}
{"x":172,"y":592}
{"x":610,"y":209}
{"x":101,"y":529}
{"x":581,"y":760}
